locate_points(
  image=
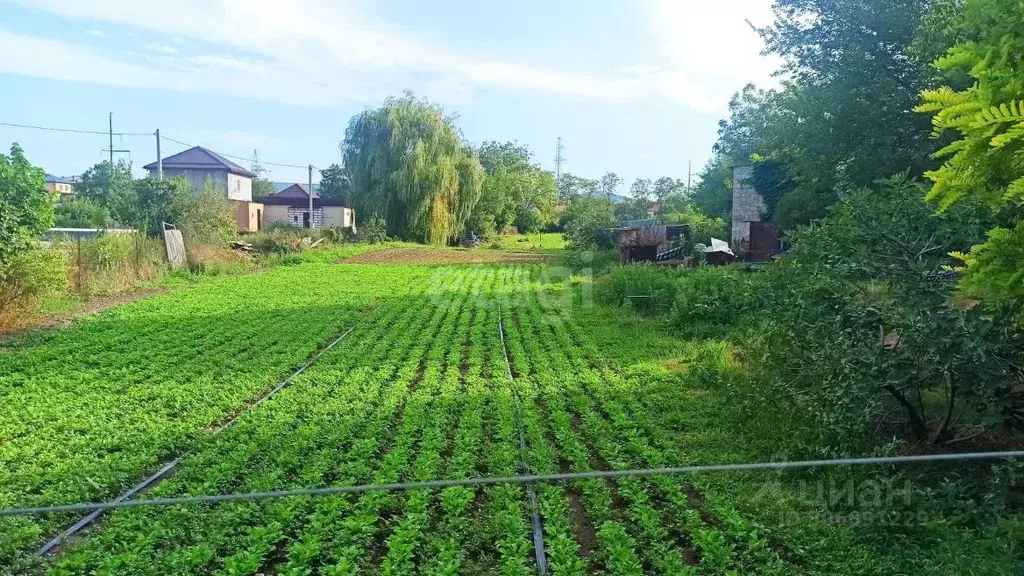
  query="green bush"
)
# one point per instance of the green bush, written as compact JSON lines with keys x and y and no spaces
{"x":373,"y":232}
{"x":30,"y":276}
{"x":584,"y":220}
{"x":646,"y":288}
{"x":274,"y":241}
{"x":336,"y":234}
{"x":863,"y":327}
{"x":711,"y":301}
{"x":595,"y":261}
{"x":80,"y":213}
{"x":702,"y":228}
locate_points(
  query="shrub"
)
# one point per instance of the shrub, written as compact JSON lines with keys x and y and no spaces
{"x":584,"y":220}
{"x":336,"y":234}
{"x":647,"y":288}
{"x":274,"y":241}
{"x":595,"y":261}
{"x":710,"y":301}
{"x":862,"y":319}
{"x":207,"y":218}
{"x":112,"y":263}
{"x":29,"y":277}
{"x":80,"y":213}
{"x":702,"y":228}
{"x":373,"y":232}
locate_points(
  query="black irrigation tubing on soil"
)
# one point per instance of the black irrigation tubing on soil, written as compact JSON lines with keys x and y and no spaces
{"x":162,"y":472}
{"x":492,"y":480}
{"x":531,"y":494}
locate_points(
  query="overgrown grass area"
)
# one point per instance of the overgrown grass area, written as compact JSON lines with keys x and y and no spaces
{"x":544,"y":242}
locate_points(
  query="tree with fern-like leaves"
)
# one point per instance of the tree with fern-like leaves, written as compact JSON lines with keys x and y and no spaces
{"x":985,"y":164}
{"x":407,"y":163}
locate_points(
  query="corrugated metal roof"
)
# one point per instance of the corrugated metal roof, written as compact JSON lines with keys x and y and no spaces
{"x":199,"y":158}
{"x":296,"y":191}
{"x":283,"y":185}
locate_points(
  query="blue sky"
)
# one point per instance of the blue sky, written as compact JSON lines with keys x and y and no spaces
{"x":632,"y":86}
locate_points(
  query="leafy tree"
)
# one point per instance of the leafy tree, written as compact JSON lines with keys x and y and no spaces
{"x":26,"y":206}
{"x":986,"y":162}
{"x":406,"y":162}
{"x":334,"y":184}
{"x":583,"y":220}
{"x":713,"y":192}
{"x":862,"y":319}
{"x":516,"y":192}
{"x":261,"y":188}
{"x":150,"y":202}
{"x":80,"y":213}
{"x":844,"y":118}
{"x":102,"y":181}
{"x":610,"y":183}
{"x":571,"y":185}
{"x":666,"y":186}
{"x":641,"y":189}
{"x":206,"y":217}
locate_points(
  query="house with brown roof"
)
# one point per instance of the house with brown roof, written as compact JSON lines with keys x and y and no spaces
{"x":199,"y":165}
{"x":291,"y":206}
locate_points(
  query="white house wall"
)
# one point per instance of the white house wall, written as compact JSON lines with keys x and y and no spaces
{"x":239,"y":187}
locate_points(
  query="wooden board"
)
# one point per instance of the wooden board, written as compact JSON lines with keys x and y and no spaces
{"x":175,"y":248}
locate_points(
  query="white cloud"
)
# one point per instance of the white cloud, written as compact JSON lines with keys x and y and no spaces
{"x":96,"y":32}
{"x":710,"y":48}
{"x":322,"y":51}
{"x":161,"y":48}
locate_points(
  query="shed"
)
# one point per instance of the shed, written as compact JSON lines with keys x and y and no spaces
{"x":291,"y":206}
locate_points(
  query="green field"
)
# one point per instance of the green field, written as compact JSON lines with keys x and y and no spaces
{"x":419,"y":390}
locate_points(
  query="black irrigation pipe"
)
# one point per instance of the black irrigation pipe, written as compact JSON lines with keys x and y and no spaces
{"x":531,"y":494}
{"x":162,"y":472}
{"x":528,"y":479}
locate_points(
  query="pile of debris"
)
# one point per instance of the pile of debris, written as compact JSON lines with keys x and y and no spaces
{"x":244,"y":247}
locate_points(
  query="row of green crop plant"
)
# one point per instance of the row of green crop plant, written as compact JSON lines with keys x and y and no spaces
{"x":430,"y":357}
{"x":351,"y":397}
{"x":96,"y":406}
{"x":661,"y":529}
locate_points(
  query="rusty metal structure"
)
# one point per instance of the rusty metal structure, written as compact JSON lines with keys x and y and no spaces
{"x":649,"y":243}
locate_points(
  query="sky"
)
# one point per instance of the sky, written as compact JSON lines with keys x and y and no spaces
{"x":634,"y":87}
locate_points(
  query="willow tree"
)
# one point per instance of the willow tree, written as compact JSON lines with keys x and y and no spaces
{"x":406,"y":162}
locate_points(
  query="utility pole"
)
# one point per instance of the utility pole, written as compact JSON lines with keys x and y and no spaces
{"x":111,"y":149}
{"x":689,"y":171}
{"x":310,"y":196}
{"x":159,"y":159}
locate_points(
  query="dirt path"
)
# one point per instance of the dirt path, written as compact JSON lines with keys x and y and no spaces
{"x":444,"y":256}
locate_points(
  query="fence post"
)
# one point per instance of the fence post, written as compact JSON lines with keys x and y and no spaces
{"x":78,"y":265}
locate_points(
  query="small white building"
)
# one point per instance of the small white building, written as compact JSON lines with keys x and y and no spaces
{"x":291,"y":206}
{"x":197,"y":165}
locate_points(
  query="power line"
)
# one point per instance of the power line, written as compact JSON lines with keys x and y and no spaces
{"x":526,"y":479}
{"x":238,"y":157}
{"x":73,"y":131}
{"x":111,"y":133}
